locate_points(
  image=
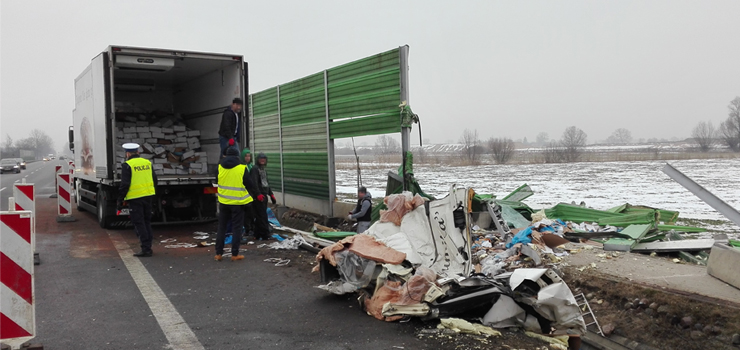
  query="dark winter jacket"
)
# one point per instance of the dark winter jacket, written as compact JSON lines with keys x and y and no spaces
{"x":229,"y":127}
{"x":259,"y":176}
{"x":229,"y":163}
{"x":364,"y":209}
{"x":126,"y":180}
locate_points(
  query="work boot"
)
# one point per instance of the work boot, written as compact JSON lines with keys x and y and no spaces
{"x":143,"y":254}
{"x":238,"y":257}
{"x":218,"y":257}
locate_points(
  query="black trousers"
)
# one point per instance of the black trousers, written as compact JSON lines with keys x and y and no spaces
{"x":141,"y":217}
{"x":261,"y":225}
{"x":236,"y":215}
{"x":249,"y":217}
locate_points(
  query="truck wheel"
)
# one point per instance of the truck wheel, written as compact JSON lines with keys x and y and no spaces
{"x":103,"y":218}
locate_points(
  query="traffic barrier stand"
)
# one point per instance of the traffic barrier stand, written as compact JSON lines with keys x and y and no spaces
{"x":64,"y":199}
{"x":18,"y":311}
{"x":25,"y":199}
{"x":57,"y":170}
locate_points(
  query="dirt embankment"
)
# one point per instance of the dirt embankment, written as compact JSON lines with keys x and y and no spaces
{"x":661,"y":319}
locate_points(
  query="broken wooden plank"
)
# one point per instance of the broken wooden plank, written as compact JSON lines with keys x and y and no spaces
{"x":686,"y":245}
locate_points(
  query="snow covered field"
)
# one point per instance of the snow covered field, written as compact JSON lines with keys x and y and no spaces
{"x":600,"y":185}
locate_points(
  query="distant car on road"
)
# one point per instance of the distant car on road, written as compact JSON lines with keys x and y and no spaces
{"x":22,"y":163}
{"x":46,"y":159}
{"x":61,"y":157}
{"x":10,"y":165}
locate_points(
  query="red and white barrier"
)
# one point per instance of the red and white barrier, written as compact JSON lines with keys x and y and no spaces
{"x":64,"y":198}
{"x":17,"y":307}
{"x":57,"y":169}
{"x":25,"y":199}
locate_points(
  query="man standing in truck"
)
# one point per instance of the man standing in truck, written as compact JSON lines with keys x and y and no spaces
{"x":138,"y":186}
{"x":230,"y":125}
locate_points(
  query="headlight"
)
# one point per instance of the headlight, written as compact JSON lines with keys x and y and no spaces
{"x":15,"y":166}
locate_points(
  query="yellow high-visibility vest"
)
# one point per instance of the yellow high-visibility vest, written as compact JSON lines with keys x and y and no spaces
{"x":142,"y":181}
{"x":231,"y":188}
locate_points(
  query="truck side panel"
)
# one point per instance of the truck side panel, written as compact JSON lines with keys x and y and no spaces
{"x":91,"y":139}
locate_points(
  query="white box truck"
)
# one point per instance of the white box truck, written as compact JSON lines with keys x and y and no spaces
{"x":170,"y":102}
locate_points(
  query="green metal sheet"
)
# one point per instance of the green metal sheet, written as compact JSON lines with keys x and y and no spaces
{"x":355,"y":99}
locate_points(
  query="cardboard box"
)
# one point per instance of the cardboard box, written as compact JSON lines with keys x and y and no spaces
{"x":129,"y":136}
{"x":168,"y":130}
{"x":142,"y":129}
{"x":145,"y":135}
{"x":159,"y":160}
{"x":155,"y":129}
{"x":178,"y":128}
{"x":172,"y":158}
{"x":181,"y":139}
{"x":193,"y":133}
{"x":148,"y":148}
{"x":169,"y":171}
{"x":170,"y":137}
{"x":141,"y":123}
{"x":129,"y":130}
{"x":181,"y":145}
{"x":182,"y":134}
{"x":157,"y":166}
{"x":159,"y":135}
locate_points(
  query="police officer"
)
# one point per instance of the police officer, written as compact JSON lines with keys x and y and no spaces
{"x":137,"y":188}
{"x":234,"y":188}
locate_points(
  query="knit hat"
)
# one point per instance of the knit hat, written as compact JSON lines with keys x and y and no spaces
{"x":231,"y":152}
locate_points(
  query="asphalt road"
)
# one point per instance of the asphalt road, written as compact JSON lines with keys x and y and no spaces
{"x":87,"y":297}
{"x":39,"y":173}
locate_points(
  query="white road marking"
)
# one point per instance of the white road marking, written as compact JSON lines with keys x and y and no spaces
{"x":16,"y":180}
{"x":1,"y":189}
{"x":178,"y":333}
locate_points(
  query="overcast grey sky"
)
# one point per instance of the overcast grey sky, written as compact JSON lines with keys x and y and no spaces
{"x":506,"y":68}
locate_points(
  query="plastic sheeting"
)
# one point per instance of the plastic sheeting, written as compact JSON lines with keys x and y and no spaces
{"x":398,"y":205}
{"x":354,"y":269}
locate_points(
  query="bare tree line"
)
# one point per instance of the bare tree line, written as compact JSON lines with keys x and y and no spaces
{"x":37,"y":141}
{"x":707,"y":136}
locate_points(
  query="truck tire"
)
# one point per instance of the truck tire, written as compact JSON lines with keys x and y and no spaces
{"x":102,"y":202}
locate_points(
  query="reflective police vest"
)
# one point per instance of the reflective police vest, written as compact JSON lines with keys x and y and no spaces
{"x":142,"y":182}
{"x":231,"y":188}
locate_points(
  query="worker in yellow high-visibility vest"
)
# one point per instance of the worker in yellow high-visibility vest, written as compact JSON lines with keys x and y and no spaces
{"x":234,"y":188}
{"x":138,"y":186}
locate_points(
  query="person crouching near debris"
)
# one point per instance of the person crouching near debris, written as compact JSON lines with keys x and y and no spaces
{"x":234,"y":188}
{"x":364,"y":210}
{"x":137,"y":188}
{"x":259,"y":177}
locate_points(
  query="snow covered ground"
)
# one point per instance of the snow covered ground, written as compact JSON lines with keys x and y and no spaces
{"x":600,"y":185}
